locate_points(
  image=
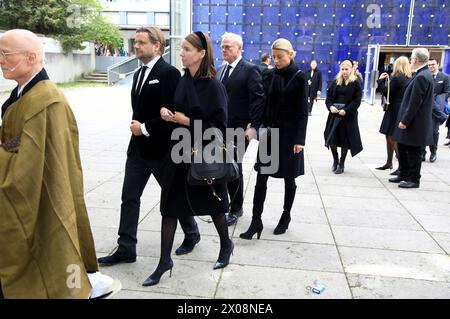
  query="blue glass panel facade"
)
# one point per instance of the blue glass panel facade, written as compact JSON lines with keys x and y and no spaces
{"x":326,"y":30}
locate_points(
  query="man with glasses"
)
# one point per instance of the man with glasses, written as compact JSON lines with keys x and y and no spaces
{"x":46,"y":245}
{"x":243,"y":83}
{"x":414,"y":121}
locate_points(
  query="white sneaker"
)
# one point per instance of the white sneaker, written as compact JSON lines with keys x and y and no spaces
{"x":103,"y":286}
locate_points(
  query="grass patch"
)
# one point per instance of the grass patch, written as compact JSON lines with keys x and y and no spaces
{"x":79,"y":84}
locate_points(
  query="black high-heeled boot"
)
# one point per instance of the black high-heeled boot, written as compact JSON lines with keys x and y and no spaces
{"x":283,"y":224}
{"x":154,"y":278}
{"x":256,"y":227}
{"x":289,"y":197}
{"x":224,"y":256}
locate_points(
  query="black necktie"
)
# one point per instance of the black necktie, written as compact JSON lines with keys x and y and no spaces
{"x":227,"y":74}
{"x":141,"y":79}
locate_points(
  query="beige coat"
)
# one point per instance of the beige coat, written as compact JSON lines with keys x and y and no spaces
{"x":46,"y":244}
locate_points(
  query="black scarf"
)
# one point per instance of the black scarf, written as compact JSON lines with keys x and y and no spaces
{"x":280,"y":79}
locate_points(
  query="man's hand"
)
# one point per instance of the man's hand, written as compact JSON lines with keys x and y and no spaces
{"x":298,"y":148}
{"x":401,"y":126}
{"x":135,"y":128}
{"x":167,"y":115}
{"x":318,"y":95}
{"x":250,"y":132}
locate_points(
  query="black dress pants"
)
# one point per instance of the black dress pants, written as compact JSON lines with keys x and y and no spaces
{"x":410,"y":162}
{"x":137,"y":173}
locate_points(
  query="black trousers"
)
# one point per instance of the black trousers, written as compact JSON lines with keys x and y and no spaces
{"x":239,"y":183}
{"x":435,"y":127}
{"x":310,"y":103}
{"x":409,"y":162}
{"x":137,"y":174}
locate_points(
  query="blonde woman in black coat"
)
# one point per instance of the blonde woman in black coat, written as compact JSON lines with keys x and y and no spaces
{"x":342,"y":130}
{"x":286,"y":109}
{"x":399,"y":80}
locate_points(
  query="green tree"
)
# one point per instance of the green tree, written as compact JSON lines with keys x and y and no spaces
{"x":70,"y":21}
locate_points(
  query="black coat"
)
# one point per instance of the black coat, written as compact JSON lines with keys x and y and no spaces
{"x":146,"y":109}
{"x":286,"y":109}
{"x":212,"y":110}
{"x":346,"y":125}
{"x":398,"y":86}
{"x":415,"y":111}
{"x":316,"y":82}
{"x":245,"y":95}
{"x":441,"y":90}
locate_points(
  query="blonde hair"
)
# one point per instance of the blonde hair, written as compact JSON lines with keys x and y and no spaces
{"x":285,"y":45}
{"x":401,"y":65}
{"x":340,"y":78}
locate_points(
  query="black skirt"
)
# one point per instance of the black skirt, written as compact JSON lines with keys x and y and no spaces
{"x":389,"y":122}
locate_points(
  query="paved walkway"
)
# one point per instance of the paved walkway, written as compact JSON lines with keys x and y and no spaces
{"x":356,"y":233}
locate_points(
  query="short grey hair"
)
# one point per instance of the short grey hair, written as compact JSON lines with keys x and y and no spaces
{"x":235,"y":37}
{"x":421,"y":54}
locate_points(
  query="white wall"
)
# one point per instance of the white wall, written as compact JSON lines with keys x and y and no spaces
{"x":60,"y":67}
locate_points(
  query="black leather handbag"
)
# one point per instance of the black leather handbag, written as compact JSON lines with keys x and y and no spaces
{"x":209,"y":173}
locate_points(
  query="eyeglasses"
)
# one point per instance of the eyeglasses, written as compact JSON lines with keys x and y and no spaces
{"x":226,"y":47}
{"x":4,"y":55}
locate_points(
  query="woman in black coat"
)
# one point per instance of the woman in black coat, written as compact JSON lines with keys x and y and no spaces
{"x":342,"y":130}
{"x":286,"y":112}
{"x":199,"y":98}
{"x":398,"y":82}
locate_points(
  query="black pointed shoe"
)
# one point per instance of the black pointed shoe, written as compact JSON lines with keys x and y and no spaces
{"x":187,"y":246}
{"x":154,"y":278}
{"x":116,"y":258}
{"x":224,"y":256}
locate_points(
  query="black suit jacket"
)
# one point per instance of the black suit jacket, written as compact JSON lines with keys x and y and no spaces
{"x":245,"y":95}
{"x":316,"y":84}
{"x":415,"y":111}
{"x":157,"y":91}
{"x":441,"y":91}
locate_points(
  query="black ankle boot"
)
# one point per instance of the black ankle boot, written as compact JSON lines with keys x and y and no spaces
{"x":256,"y":227}
{"x":154,"y":278}
{"x":283,"y":224}
{"x":224,"y":256}
{"x":339,"y":169}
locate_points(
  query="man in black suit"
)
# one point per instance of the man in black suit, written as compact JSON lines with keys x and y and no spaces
{"x":414,"y":121}
{"x":314,"y":84}
{"x":152,"y":94}
{"x":264,"y":66}
{"x":243,"y":83}
{"x":441,"y":89}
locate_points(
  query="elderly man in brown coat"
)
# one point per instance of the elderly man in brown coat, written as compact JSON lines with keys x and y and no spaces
{"x":46,"y":245}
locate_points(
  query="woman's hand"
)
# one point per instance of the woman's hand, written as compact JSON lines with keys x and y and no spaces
{"x":166,"y":114}
{"x":383,"y":76}
{"x":342,"y":112}
{"x":333,"y":109}
{"x":298,"y":148}
{"x":182,"y":119}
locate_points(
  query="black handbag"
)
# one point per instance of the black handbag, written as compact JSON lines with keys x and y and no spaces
{"x":205,"y":173}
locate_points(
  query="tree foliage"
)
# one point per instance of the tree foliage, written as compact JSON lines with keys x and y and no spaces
{"x":70,"y":21}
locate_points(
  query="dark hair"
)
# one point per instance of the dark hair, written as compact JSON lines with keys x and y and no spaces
{"x":265,"y":57}
{"x":206,"y":69}
{"x":433,"y":58}
{"x":155,"y":36}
